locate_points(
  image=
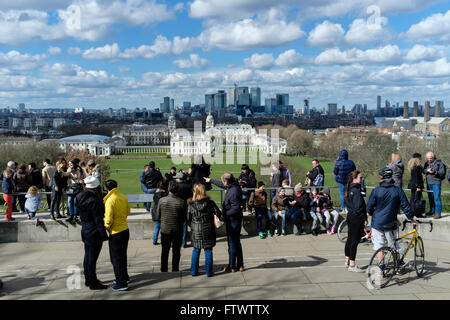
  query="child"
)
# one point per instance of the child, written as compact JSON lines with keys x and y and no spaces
{"x":7,"y":189}
{"x":258,"y":201}
{"x":326,"y":205}
{"x":33,"y":203}
{"x":280,"y":206}
{"x":315,"y":212}
{"x":159,"y":193}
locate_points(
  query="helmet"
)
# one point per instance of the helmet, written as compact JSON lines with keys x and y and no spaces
{"x":386,"y":173}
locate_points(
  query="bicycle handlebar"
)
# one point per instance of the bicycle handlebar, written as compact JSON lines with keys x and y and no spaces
{"x":418,"y":222}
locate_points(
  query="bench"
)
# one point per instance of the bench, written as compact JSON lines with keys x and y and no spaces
{"x":137,"y":198}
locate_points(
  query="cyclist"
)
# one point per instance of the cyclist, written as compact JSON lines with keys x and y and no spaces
{"x":384,"y":206}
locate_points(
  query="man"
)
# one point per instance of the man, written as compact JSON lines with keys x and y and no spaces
{"x":342,"y":169}
{"x":143,"y":186}
{"x":117,"y":210}
{"x":13,"y":166}
{"x":47,"y":174}
{"x":285,"y":173}
{"x":232,"y":211}
{"x":173,"y":172}
{"x":247,"y":179}
{"x":93,"y":232}
{"x":151,"y":179}
{"x":275,"y":178}
{"x":172,"y":212}
{"x":316,"y":175}
{"x":300,"y":208}
{"x":384,"y":206}
{"x":434,"y":169}
{"x":184,"y":192}
{"x":36,"y":176}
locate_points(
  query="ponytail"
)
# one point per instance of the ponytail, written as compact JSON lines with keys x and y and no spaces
{"x":353,"y":175}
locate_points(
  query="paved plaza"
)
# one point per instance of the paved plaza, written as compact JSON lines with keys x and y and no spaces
{"x":281,"y":268}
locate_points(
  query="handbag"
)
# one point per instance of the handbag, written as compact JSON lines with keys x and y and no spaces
{"x":74,"y":188}
{"x":419,"y":205}
{"x":217,"y":222}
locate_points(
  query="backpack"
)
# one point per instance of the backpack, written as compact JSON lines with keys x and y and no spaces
{"x":318,"y":181}
{"x":445,"y":171}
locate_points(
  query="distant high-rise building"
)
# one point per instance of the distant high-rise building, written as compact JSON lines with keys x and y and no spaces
{"x":437,"y":109}
{"x":416,"y":109}
{"x":209,"y":102}
{"x":256,"y":96}
{"x":123,"y":113}
{"x":172,"y":104}
{"x":110,"y":112}
{"x":243,"y":98}
{"x":343,"y":110}
{"x":365,"y":109}
{"x":379,"y":106}
{"x":405,"y":110}
{"x":186,"y":105}
{"x":220,"y":99}
{"x":21,"y":106}
{"x":306,"y":107}
{"x":233,"y":95}
{"x":270,"y":105}
{"x":166,"y":105}
{"x":426,"y":114}
{"x":332,"y":109}
{"x":282,"y":99}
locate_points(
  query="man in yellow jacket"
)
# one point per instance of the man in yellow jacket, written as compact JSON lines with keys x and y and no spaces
{"x":117,"y":210}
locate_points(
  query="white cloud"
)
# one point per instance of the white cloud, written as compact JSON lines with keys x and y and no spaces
{"x":74,"y":51}
{"x":14,"y":60}
{"x":420,"y":52}
{"x":436,"y":25}
{"x":386,"y":55}
{"x":259,"y":61}
{"x":54,"y":51}
{"x":107,"y":52}
{"x":194,"y":61}
{"x":326,"y":34}
{"x":362,"y":31}
{"x":288,"y":59}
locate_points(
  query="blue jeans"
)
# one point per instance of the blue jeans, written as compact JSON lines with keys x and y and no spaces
{"x":283,"y":219}
{"x":208,"y":261}
{"x":294,"y":214}
{"x":236,"y":258}
{"x":72,"y":206}
{"x":435,"y":198}
{"x":156,"y":232}
{"x":260,"y":212}
{"x":183,"y":241}
{"x":341,"y":195}
{"x":148,"y":205}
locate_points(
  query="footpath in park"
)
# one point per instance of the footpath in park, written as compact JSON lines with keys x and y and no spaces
{"x":281,"y":268}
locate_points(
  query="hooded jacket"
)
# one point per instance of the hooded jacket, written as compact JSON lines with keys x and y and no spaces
{"x":201,"y":218}
{"x":258,"y":200}
{"x":355,"y":203}
{"x":33,"y":203}
{"x":384,"y":206}
{"x":280,"y":203}
{"x":343,"y":167}
{"x":200,"y":171}
{"x":91,"y":211}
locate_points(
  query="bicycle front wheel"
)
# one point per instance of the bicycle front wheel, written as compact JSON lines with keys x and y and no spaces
{"x":419,"y":257}
{"x":382,"y":267}
{"x":343,"y":231}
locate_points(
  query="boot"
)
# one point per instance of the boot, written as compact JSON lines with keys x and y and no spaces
{"x":95,"y":284}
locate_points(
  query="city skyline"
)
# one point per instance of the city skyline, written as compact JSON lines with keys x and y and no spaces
{"x":123,"y":53}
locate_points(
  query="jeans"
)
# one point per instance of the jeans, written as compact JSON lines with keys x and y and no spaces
{"x":208,"y":261}
{"x":22,"y":200}
{"x":283,"y":219}
{"x":32,"y":215}
{"x":148,"y":205}
{"x":167,"y":241}
{"x":335,"y":215}
{"x":435,"y":198}
{"x":260,"y":212}
{"x":294,"y":214}
{"x":49,"y":197}
{"x":156,"y":232}
{"x":317,"y":219}
{"x":71,"y":201}
{"x":341,"y":195}
{"x":233,"y":228}
{"x":183,"y":241}
{"x":118,"y":245}
{"x":56,"y":200}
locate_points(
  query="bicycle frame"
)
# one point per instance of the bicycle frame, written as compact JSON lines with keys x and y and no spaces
{"x":415,"y":236}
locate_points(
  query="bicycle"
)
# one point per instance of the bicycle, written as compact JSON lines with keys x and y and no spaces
{"x":388,"y":261}
{"x":342,"y":232}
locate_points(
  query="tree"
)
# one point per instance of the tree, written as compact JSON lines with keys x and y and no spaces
{"x":299,"y":143}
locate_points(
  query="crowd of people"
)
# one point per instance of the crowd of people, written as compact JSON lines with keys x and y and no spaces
{"x":180,"y":200}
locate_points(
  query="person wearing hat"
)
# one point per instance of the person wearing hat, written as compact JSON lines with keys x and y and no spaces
{"x":258,"y":201}
{"x":300,"y":208}
{"x":91,"y":211}
{"x":416,"y":183}
{"x":384,"y":206}
{"x":117,"y":210}
{"x":247,"y":179}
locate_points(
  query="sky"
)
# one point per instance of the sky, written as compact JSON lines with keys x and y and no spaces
{"x":132,"y":53}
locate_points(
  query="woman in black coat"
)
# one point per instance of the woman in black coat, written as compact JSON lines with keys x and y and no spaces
{"x":93,"y":232}
{"x":201,"y":211}
{"x":356,"y":218}
{"x":416,"y":182}
{"x":199,"y":170}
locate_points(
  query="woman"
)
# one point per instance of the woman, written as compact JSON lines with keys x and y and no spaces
{"x":76,"y":176}
{"x":356,"y":218}
{"x":397,"y":166}
{"x":200,"y":170}
{"x":22,"y":181}
{"x":201,"y":213}
{"x":416,"y":182}
{"x":258,"y":201}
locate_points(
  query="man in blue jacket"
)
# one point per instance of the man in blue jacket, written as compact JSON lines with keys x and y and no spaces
{"x":342,"y":169}
{"x":232,"y":211}
{"x":384,"y":206}
{"x":143,"y":186}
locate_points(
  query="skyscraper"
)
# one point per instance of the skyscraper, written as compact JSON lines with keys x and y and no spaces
{"x":379,"y":106}
{"x":243,"y":96}
{"x":233,"y":95}
{"x":416,"y":109}
{"x":220,"y":99}
{"x":270,"y":105}
{"x":282,"y":99}
{"x":332,"y":109}
{"x":209,"y":102}
{"x":166,"y":105}
{"x":172,"y":104}
{"x":256,"y":96}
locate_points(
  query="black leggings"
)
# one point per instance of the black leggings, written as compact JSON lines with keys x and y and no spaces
{"x":355,"y":232}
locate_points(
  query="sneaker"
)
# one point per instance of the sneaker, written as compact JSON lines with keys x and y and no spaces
{"x":283,"y":233}
{"x":333,"y":229}
{"x":275,"y":231}
{"x":226,"y":269}
{"x":347,"y":264}
{"x":329,"y":231}
{"x":128,"y":281}
{"x":262,"y":235}
{"x":116,"y":287}
{"x":58,"y":216}
{"x":29,"y":217}
{"x":269,"y":234}
{"x":355,"y":268}
{"x":21,"y":211}
{"x":298,"y":233}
